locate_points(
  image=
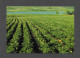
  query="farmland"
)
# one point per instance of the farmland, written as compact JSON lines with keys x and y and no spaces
{"x":39,"y":8}
{"x":40,"y":33}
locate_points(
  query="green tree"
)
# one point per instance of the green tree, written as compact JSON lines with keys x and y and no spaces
{"x":70,"y":12}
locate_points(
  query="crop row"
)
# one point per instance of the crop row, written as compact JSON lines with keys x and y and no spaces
{"x":32,"y":35}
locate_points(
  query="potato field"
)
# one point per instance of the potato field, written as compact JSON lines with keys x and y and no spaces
{"x":40,"y":33}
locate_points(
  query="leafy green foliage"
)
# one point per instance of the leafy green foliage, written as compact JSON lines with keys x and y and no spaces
{"x":41,"y":34}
